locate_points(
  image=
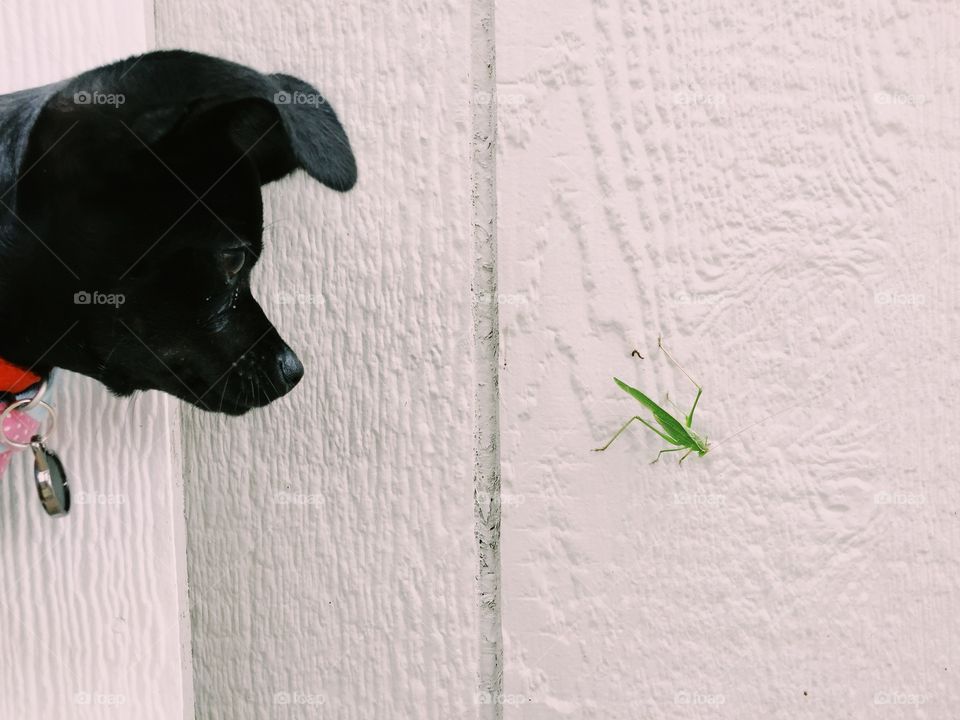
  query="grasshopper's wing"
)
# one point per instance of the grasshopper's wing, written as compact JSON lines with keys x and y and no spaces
{"x":670,"y":424}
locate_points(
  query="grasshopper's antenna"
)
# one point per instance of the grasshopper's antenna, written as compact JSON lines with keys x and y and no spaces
{"x":674,"y":361}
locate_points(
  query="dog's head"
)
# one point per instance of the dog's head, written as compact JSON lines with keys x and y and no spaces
{"x":131,"y":217}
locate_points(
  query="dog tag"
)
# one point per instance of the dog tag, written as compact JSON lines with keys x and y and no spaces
{"x":51,"y":479}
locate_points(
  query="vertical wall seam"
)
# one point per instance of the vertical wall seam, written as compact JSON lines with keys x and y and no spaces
{"x":486,"y":329}
{"x":175,"y":409}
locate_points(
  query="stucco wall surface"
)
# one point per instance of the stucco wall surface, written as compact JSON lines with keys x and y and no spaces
{"x":773,"y":187}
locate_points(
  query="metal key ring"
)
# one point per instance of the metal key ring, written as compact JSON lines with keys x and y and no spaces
{"x":28,"y":402}
{"x":37,"y":396}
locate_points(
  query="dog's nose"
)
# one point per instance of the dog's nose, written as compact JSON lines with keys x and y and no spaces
{"x":291,"y":369}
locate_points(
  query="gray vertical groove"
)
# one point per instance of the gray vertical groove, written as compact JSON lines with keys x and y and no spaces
{"x":486,"y":358}
{"x":179,"y":503}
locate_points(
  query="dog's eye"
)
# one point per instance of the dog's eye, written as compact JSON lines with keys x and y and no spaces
{"x":232,"y":261}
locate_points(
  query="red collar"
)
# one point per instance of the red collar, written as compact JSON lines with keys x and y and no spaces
{"x":15,"y":380}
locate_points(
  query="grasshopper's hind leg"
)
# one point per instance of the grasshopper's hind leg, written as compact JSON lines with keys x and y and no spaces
{"x":663,"y":451}
{"x":625,"y":426}
{"x":689,"y":418}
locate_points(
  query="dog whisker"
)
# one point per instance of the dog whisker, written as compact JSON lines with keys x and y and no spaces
{"x":223,"y":393}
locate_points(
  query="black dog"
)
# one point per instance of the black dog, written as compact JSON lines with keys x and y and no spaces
{"x":131,"y":214}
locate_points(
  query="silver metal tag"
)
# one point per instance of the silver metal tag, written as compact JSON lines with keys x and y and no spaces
{"x":51,"y":479}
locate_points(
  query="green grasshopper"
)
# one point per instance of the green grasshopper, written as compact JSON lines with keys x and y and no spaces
{"x":674,"y":432}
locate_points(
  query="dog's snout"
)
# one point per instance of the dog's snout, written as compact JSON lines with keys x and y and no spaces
{"x":291,"y":369}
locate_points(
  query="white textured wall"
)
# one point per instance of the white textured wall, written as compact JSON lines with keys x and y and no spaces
{"x":330,"y":561}
{"x":773,"y":187}
{"x":92,"y":606}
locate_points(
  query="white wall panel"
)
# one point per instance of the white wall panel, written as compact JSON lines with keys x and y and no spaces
{"x":331,"y":535}
{"x":93,"y":606}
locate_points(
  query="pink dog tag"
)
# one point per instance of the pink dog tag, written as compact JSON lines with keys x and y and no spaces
{"x":19,"y":427}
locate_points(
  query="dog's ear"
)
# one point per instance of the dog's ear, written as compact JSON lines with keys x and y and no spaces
{"x":18,"y":114}
{"x":278,"y":122}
